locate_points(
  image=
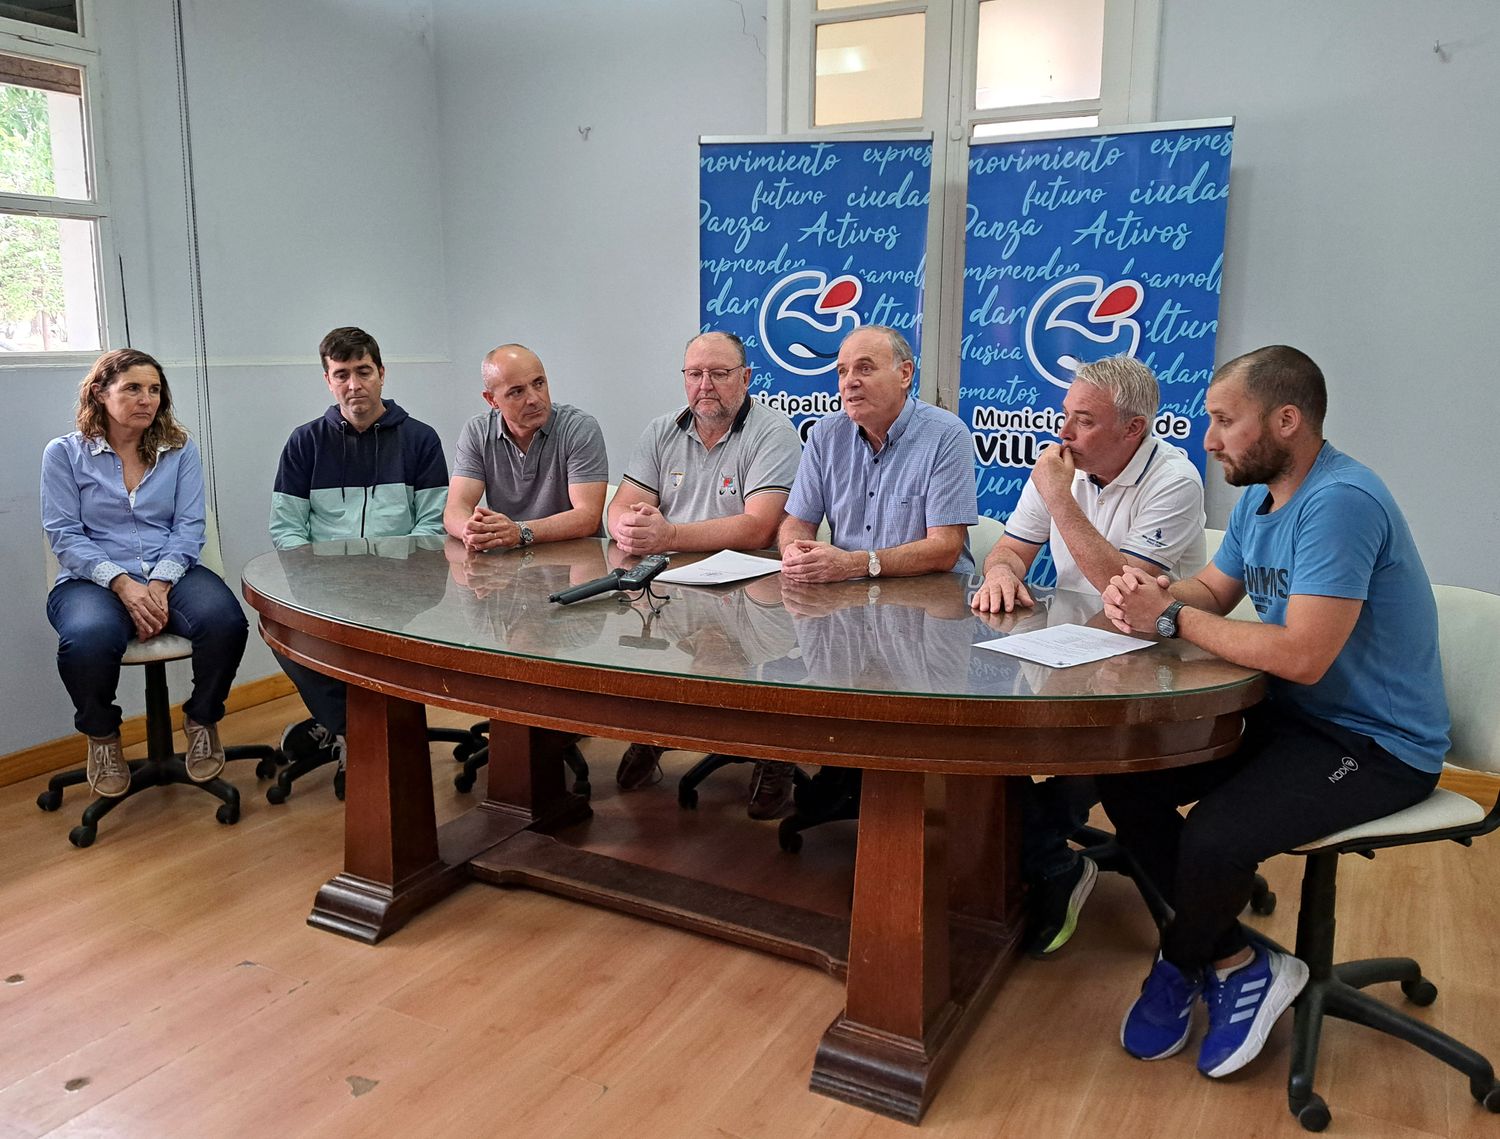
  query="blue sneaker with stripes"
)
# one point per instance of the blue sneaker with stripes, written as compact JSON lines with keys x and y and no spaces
{"x":1159,"y":1021}
{"x":1243,"y":1007}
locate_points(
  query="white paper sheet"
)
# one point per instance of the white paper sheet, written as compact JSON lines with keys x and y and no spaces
{"x":1062,"y":646}
{"x":725,"y":566}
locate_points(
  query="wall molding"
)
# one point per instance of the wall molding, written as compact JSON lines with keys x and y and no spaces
{"x":67,"y":751}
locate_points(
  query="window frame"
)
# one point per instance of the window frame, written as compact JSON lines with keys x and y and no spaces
{"x":34,"y":41}
{"x":1127,"y":95}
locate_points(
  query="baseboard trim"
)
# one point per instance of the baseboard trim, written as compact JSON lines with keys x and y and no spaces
{"x":67,"y":751}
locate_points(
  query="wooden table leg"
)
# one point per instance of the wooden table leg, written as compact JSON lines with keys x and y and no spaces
{"x":391,"y":864}
{"x":879,"y":1053}
{"x":527,"y":776}
{"x":934,"y":926}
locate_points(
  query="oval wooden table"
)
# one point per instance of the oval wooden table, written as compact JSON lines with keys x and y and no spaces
{"x":878,"y":675}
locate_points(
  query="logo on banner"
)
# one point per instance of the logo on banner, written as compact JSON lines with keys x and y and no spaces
{"x":1079,"y":320}
{"x":804,"y":316}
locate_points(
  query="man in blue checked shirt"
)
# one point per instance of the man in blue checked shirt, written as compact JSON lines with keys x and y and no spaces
{"x":893,"y":476}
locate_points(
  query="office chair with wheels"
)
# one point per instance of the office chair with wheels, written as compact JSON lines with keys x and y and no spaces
{"x":474,"y":753}
{"x":1469,"y":635}
{"x":162,"y":766}
{"x":465,"y":741}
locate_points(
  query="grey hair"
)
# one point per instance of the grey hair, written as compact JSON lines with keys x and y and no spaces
{"x":735,"y":342}
{"x":1131,"y":385}
{"x":900,"y":349}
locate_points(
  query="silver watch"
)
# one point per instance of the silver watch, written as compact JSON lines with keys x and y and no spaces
{"x":527,"y":537}
{"x":1166,"y":624}
{"x":874,"y":564}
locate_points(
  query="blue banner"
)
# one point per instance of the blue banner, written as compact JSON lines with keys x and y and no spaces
{"x":802,"y":242}
{"x":1080,"y":248}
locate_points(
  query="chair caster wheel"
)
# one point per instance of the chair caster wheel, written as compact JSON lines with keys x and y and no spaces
{"x":1314,"y":1114}
{"x":464,"y":781}
{"x":82,"y":836}
{"x":338,"y":786}
{"x":1487,"y":1092}
{"x":265,"y":769}
{"x":1420,"y":992}
{"x":276,"y":795}
{"x":687,"y":798}
{"x":49,"y":800}
{"x":583,"y":788}
{"x":788,"y":839}
{"x":228,"y":814}
{"x":1263,"y":904}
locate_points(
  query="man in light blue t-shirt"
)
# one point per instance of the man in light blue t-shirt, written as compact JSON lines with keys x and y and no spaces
{"x":1355,"y":726}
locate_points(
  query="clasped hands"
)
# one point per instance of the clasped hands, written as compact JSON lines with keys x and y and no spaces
{"x":146,"y":604}
{"x":490,"y":530}
{"x":1134,"y":599}
{"x":643,"y":529}
{"x":806,"y":561}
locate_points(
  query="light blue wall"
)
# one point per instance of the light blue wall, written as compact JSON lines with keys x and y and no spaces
{"x":1362,"y":229}
{"x":416,"y":166}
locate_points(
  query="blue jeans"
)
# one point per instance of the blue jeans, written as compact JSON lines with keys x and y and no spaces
{"x":325,"y":697}
{"x":93,"y":628}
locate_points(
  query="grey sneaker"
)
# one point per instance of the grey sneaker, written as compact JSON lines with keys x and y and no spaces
{"x":205,"y":754}
{"x":108,"y":773}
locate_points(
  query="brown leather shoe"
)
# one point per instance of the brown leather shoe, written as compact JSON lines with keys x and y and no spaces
{"x":107,"y":771}
{"x":204,"y":759}
{"x":770,"y":789}
{"x":640,"y":766}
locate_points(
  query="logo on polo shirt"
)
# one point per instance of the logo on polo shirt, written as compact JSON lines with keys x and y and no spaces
{"x":1079,"y":320}
{"x":804,"y":316}
{"x":675,"y":478}
{"x":1155,"y":539}
{"x":727,"y":485}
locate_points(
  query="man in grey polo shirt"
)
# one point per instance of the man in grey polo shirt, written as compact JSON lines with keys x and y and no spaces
{"x":713,"y":476}
{"x":540,"y":467}
{"x":894,"y":476}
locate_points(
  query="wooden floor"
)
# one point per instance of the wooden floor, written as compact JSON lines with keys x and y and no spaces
{"x":163,"y":983}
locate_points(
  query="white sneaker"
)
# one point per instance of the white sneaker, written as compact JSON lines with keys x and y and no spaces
{"x":205,"y":754}
{"x":108,"y":773}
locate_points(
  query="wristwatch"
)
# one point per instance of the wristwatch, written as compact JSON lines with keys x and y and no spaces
{"x":874,"y":564}
{"x":527,"y":537}
{"x":1166,"y":624}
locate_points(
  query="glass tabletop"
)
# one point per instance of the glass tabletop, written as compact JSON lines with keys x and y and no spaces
{"x":901,"y":636}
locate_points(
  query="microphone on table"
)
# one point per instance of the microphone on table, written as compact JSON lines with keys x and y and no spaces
{"x":609,"y":583}
{"x":637,"y":576}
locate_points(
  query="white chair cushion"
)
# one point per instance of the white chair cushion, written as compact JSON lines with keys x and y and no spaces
{"x":1439,"y":811}
{"x":163,"y":646}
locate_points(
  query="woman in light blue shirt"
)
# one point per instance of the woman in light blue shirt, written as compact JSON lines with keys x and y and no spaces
{"x":122,"y":504}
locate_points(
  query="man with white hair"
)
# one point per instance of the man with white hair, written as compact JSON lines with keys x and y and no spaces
{"x":1110,"y":494}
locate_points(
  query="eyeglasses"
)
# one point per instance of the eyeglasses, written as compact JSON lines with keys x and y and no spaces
{"x":717,"y":375}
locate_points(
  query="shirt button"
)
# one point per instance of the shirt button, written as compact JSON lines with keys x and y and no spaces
{"x":867,"y":528}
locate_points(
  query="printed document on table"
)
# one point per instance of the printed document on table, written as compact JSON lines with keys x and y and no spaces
{"x":725,"y":566}
{"x":1063,"y":646}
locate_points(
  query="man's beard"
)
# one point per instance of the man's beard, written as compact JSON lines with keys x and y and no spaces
{"x":1263,"y":463}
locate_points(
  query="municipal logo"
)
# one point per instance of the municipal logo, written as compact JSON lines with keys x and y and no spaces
{"x":1079,"y":320}
{"x":804,"y":316}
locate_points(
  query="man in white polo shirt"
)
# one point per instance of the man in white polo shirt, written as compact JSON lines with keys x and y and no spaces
{"x":713,"y":476}
{"x":1110,"y":494}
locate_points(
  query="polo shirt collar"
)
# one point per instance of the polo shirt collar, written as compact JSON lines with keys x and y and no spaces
{"x":685,"y":417}
{"x":544,"y":429}
{"x":1136,"y":469}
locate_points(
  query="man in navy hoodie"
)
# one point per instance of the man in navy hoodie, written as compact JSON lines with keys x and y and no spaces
{"x":363,"y":469}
